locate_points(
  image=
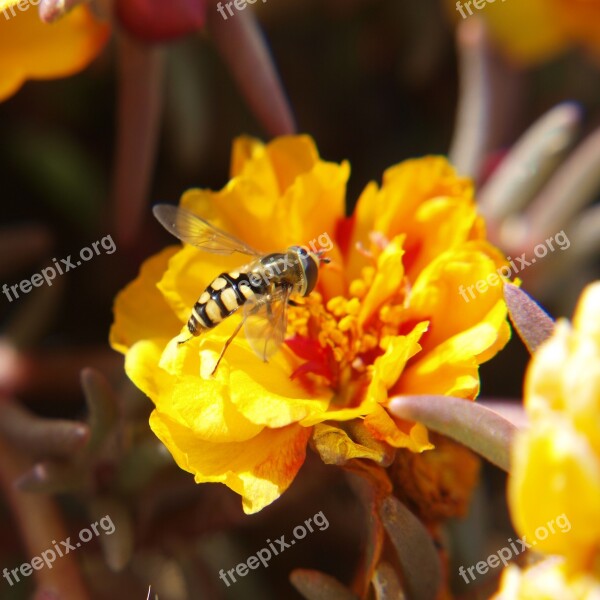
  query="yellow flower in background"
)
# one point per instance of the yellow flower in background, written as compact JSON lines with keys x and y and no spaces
{"x":386,"y":318}
{"x":556,"y":462}
{"x":547,"y":580}
{"x":30,"y":49}
{"x":532,"y":31}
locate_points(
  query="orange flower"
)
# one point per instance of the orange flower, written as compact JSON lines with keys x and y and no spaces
{"x":30,"y":49}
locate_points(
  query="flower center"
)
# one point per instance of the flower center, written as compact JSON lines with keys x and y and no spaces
{"x":339,"y":346}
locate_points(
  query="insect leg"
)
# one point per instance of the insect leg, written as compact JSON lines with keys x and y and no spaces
{"x":231,"y":338}
{"x":179,"y":343}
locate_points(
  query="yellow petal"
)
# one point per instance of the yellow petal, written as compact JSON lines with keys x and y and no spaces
{"x":268,"y":396}
{"x":587,"y":314}
{"x":30,"y":49}
{"x":544,"y":389}
{"x":553,"y":462}
{"x":343,"y":414}
{"x":262,"y":393}
{"x":363,"y":221}
{"x":282,"y":195}
{"x":543,"y":581}
{"x":410,"y":184}
{"x":446,"y":291}
{"x":462,"y":334}
{"x":259,"y":469}
{"x":245,"y":150}
{"x":396,"y":433}
{"x":388,"y":278}
{"x":336,"y":447}
{"x":395,"y":209}
{"x":441,"y":224}
{"x":137,"y":307}
{"x":387,"y":371}
{"x":204,"y":406}
{"x":291,"y":157}
{"x":565,"y":372}
{"x":529,"y":31}
{"x":388,"y":367}
{"x":452,"y":367}
{"x":548,"y":579}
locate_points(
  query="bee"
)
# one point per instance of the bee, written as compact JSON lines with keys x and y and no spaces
{"x":262,"y":287}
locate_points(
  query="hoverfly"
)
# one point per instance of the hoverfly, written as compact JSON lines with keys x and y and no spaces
{"x":263,"y":287}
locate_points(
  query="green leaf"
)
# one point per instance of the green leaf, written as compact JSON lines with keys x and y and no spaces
{"x":533,"y":324}
{"x":314,"y":585}
{"x":416,"y":551}
{"x":478,"y":428}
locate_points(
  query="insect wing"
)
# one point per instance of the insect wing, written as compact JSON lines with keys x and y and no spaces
{"x":265,"y":322}
{"x":194,"y":230}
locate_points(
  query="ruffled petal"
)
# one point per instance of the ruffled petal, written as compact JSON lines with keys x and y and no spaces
{"x":259,"y":469}
{"x":204,"y":406}
{"x":282,"y":194}
{"x":457,"y":291}
{"x":399,"y":434}
{"x":140,"y":310}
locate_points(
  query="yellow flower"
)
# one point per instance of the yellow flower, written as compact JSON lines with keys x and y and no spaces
{"x":556,"y":462}
{"x":547,"y":580}
{"x":386,"y":318}
{"x":30,"y":49}
{"x":531,"y":31}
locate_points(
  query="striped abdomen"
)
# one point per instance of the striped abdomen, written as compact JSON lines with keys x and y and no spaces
{"x":221,"y":298}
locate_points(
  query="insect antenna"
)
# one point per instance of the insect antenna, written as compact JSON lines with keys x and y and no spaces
{"x":319,"y":254}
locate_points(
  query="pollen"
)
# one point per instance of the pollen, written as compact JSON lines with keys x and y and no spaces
{"x":339,"y":342}
{"x":392,"y":315}
{"x":368,"y":342}
{"x":347,"y":323}
{"x":337,"y":306}
{"x":358,"y":289}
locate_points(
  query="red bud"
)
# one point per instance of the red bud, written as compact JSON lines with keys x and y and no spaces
{"x":159,"y":21}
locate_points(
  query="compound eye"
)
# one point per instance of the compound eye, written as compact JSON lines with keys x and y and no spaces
{"x":311,"y":272}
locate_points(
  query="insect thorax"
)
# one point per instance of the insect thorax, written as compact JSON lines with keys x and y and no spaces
{"x":279,"y":269}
